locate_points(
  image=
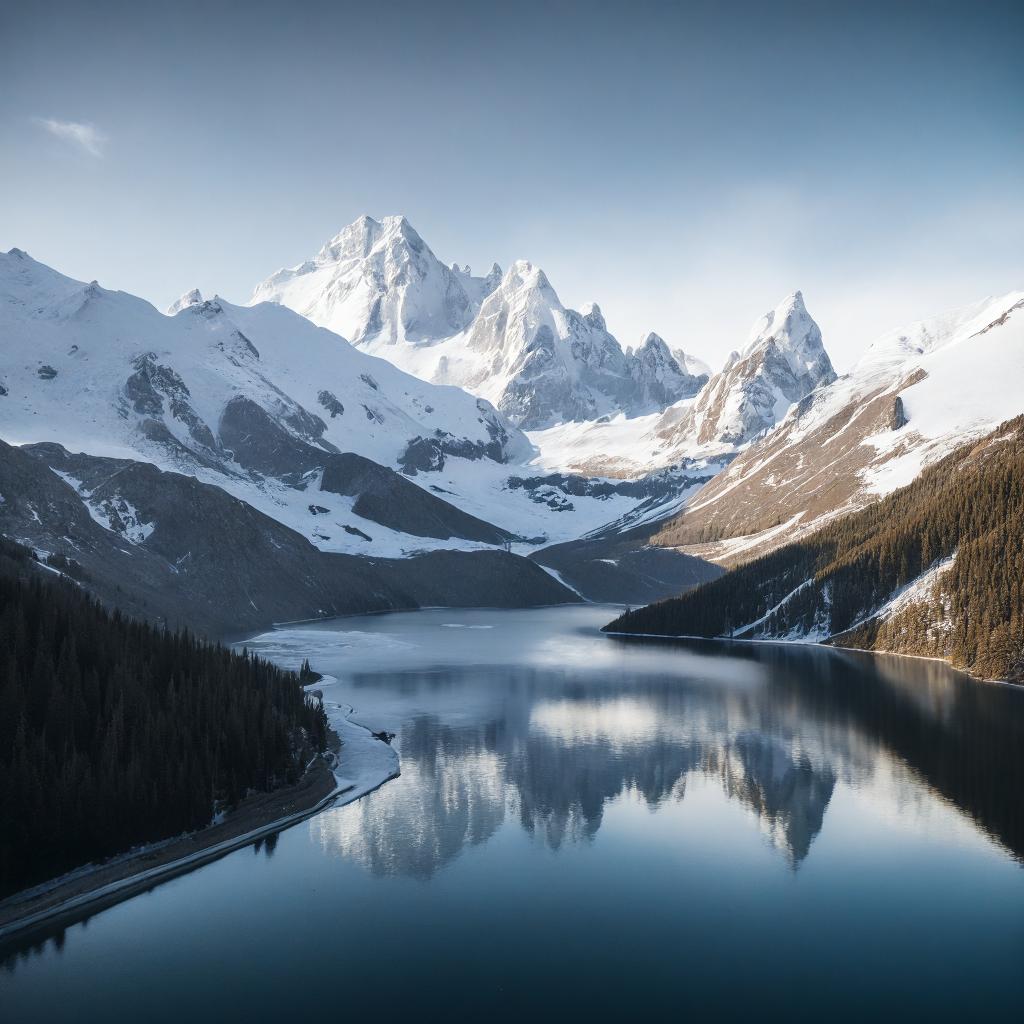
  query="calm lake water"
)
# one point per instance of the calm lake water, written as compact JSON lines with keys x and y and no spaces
{"x":600,"y":828}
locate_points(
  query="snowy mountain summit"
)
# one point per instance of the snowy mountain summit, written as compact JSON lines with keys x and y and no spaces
{"x":379,"y":281}
{"x":784,"y":360}
{"x":505,"y":337}
{"x":190,"y":298}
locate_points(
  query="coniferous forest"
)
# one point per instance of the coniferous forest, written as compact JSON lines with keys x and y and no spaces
{"x":967,"y":509}
{"x":115,"y":733}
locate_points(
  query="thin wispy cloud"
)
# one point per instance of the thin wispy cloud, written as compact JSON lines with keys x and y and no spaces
{"x":85,"y":136}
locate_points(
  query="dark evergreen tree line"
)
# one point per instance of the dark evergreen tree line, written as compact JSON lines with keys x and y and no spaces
{"x":970,"y":504}
{"x":114,"y":733}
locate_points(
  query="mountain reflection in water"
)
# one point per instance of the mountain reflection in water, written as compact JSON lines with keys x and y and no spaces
{"x":588,"y":827}
{"x":550,"y":748}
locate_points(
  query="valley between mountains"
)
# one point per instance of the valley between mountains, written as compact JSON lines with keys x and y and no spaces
{"x":377,"y":430}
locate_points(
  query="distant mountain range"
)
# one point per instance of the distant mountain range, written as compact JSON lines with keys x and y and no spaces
{"x":266,"y":427}
{"x":455,"y":420}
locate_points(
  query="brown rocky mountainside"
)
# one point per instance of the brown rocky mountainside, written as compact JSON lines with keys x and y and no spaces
{"x":916,"y":395}
{"x":800,"y":475}
{"x":935,"y":569}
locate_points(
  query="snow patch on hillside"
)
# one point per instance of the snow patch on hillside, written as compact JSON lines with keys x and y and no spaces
{"x":917,"y":591}
{"x":116,"y":514}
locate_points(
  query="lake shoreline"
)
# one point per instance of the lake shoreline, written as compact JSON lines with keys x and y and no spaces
{"x":104,"y":884}
{"x":599,"y":824}
{"x":809,"y":643}
{"x":92,"y":888}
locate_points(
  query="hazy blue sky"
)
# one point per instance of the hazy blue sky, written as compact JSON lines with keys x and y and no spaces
{"x":685,"y":165}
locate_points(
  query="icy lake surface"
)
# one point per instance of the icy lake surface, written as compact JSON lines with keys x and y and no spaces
{"x":591,"y":828}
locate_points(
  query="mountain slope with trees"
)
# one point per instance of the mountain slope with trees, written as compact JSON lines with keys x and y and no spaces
{"x":935,"y":569}
{"x":115,"y":733}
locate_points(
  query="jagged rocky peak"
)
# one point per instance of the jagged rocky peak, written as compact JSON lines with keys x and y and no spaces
{"x":791,"y":332}
{"x":505,"y":337}
{"x":591,"y":312}
{"x":655,"y":343}
{"x":522,"y":307}
{"x":525,"y":275}
{"x":784,"y":361}
{"x":190,"y":298}
{"x":378,"y":281}
{"x":493,"y":278}
{"x":660,"y":379}
{"x":653,"y":359}
{"x":358,"y":239}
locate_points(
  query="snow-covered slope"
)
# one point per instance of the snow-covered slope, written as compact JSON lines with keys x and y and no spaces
{"x":83,"y":362}
{"x":259,"y":401}
{"x":507,"y":337}
{"x":915,"y":395}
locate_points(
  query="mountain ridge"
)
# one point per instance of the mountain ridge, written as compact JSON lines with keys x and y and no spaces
{"x":380,"y":285}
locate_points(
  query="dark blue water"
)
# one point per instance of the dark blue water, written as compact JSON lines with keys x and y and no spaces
{"x":600,"y":829}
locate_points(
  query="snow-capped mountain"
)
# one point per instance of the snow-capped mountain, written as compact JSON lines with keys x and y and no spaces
{"x":341,"y":447}
{"x":190,"y":298}
{"x":380,"y":282}
{"x":542,"y":363}
{"x":351,"y":455}
{"x":507,"y":337}
{"x":662,"y":375}
{"x":691,"y":364}
{"x":915,"y":395}
{"x":783,"y":361}
{"x":77,"y":354}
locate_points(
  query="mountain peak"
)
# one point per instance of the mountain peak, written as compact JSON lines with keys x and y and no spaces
{"x":190,"y":298}
{"x":793,"y":332}
{"x":397,"y":226}
{"x":364,"y":236}
{"x":491,"y":281}
{"x":507,"y":337}
{"x":353,"y":240}
{"x":523,"y":274}
{"x":784,"y":361}
{"x":378,"y":282}
{"x":591,"y":312}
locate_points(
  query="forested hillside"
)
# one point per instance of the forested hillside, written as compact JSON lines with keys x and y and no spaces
{"x":114,"y":733}
{"x":936,"y":569}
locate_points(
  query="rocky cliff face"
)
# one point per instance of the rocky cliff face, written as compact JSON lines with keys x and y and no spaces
{"x":660,"y":376}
